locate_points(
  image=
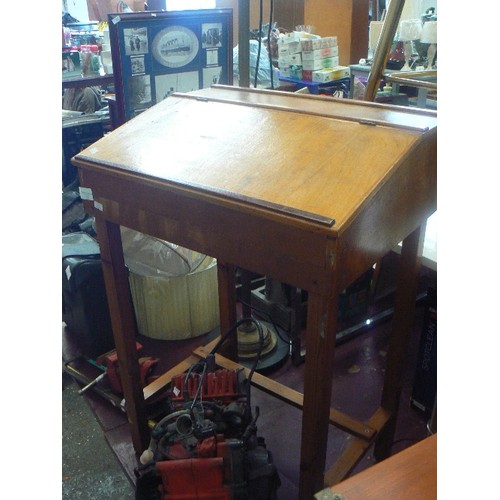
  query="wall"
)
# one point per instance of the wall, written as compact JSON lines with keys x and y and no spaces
{"x":99,"y":9}
{"x":346,"y":19}
{"x":77,"y":8}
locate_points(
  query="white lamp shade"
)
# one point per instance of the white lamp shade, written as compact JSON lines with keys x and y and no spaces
{"x":429,"y":32}
{"x":374,"y":35}
{"x":409,"y":29}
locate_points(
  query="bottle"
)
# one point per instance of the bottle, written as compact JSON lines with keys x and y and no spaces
{"x":90,"y":60}
{"x":85,"y":59}
{"x":95,"y":60}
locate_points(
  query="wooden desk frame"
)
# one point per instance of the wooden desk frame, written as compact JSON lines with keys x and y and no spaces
{"x":332,"y":258}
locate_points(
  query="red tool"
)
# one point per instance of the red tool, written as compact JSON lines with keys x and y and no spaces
{"x":110,"y":360}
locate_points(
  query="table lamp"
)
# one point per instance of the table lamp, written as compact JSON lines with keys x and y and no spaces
{"x":429,"y":35}
{"x":409,"y":30}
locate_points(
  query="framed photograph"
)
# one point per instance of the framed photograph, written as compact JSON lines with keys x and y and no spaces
{"x":157,"y":53}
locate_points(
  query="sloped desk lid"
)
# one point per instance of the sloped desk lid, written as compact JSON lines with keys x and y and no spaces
{"x":299,"y":156}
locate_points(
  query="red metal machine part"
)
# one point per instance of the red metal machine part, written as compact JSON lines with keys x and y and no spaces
{"x":110,"y":360}
{"x":202,"y":477}
{"x":221,"y":384}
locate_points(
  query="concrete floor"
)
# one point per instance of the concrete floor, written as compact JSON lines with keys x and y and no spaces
{"x":90,"y":469}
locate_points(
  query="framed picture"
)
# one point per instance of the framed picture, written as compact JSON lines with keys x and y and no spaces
{"x":157,"y":53}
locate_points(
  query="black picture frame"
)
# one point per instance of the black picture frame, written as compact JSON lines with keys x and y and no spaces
{"x":156,"y":53}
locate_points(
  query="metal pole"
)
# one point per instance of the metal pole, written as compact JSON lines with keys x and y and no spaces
{"x":244,"y":42}
{"x":383,"y":50}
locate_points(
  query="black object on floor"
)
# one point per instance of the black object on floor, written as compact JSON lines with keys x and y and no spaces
{"x":84,"y":303}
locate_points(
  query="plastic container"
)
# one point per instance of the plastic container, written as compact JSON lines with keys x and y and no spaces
{"x":106,"y":59}
{"x":90,"y":60}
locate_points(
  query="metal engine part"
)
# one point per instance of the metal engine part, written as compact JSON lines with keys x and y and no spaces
{"x":207,"y":445}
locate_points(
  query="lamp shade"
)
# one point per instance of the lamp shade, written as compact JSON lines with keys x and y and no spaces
{"x":409,"y":29}
{"x":429,"y":32}
{"x":374,"y":34}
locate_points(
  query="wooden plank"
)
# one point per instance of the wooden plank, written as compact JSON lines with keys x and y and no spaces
{"x":290,"y":396}
{"x":410,"y":474}
{"x":165,"y":378}
{"x":320,"y":349}
{"x":226,"y":277}
{"x":355,"y":450}
{"x":416,"y":119}
{"x":404,"y":312}
{"x":124,"y":328}
{"x":203,"y":227}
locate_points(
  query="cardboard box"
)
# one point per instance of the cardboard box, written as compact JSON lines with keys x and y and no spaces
{"x":330,"y":74}
{"x":285,"y":72}
{"x":329,"y":62}
{"x":317,"y":64}
{"x":319,"y":43}
{"x":289,"y":60}
{"x":339,"y":72}
{"x":322,"y":76}
{"x":296,"y":72}
{"x":294,"y":36}
{"x":312,"y":65}
{"x":286,"y":49}
{"x":307,"y":75}
{"x":310,"y":55}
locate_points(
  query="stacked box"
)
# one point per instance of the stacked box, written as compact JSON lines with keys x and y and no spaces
{"x":293,"y":36}
{"x":287,"y":49}
{"x":317,"y":55}
{"x":323,"y":63}
{"x":296,"y":71}
{"x":289,"y":55}
{"x":330,"y":74}
{"x":308,"y":55}
{"x":318,"y":43}
{"x":290,"y":59}
{"x":302,"y":56}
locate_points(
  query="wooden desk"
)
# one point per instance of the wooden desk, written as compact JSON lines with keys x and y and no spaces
{"x":308,"y":190}
{"x":408,"y":475}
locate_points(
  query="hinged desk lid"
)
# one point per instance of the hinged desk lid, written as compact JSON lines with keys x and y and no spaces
{"x":312,"y":158}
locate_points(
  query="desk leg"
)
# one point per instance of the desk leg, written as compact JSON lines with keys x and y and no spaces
{"x":422,"y":98}
{"x":226,"y":276}
{"x":320,"y":347}
{"x":124,"y":329}
{"x":404,"y":313}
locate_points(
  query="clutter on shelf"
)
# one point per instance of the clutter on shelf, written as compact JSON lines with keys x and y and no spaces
{"x":309,"y":57}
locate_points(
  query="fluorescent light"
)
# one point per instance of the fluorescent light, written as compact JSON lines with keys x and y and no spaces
{"x":190,"y":4}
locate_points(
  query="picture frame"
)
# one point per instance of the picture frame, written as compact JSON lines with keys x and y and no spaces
{"x":157,"y":53}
